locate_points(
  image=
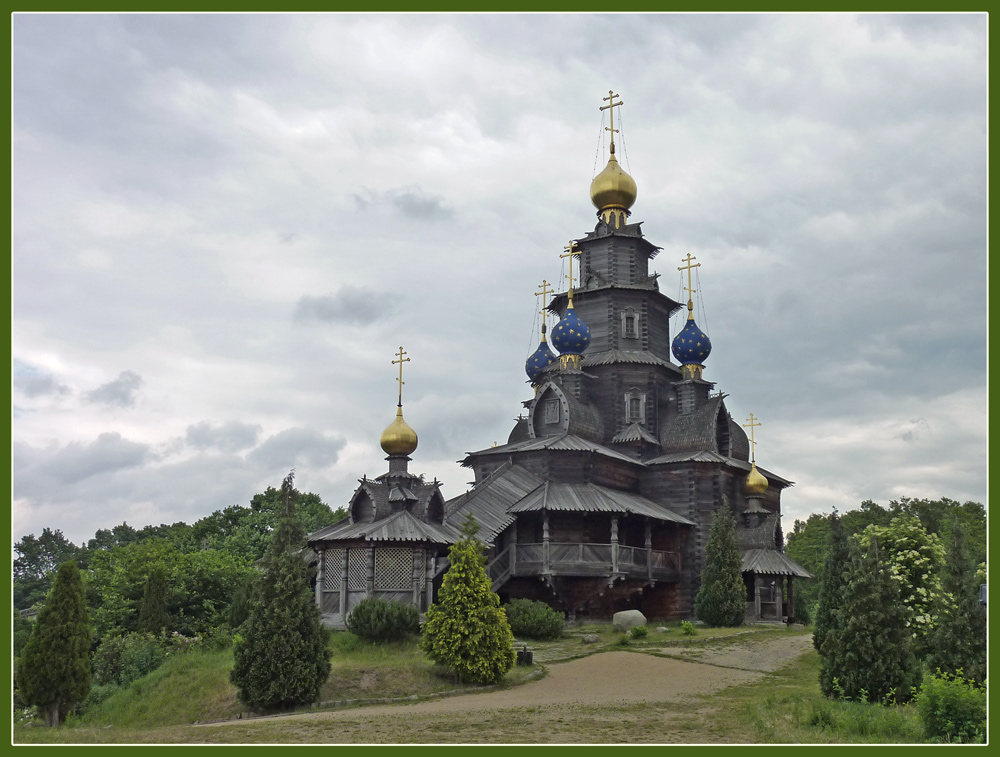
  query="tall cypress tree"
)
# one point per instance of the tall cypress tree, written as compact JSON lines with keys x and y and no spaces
{"x":867,"y":653}
{"x":282,"y":659}
{"x":53,"y":671}
{"x":958,"y":642}
{"x":832,"y":580}
{"x":466,"y":630}
{"x":722,"y":598}
{"x":153,"y":611}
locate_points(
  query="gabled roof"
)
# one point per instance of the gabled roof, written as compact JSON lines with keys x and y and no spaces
{"x":634,"y":433}
{"x":707,"y":456}
{"x":772,"y":562}
{"x":400,"y":526}
{"x":565,"y":442}
{"x":489,"y":500}
{"x":592,"y":498}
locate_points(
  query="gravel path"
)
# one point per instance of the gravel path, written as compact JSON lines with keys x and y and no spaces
{"x":608,"y":677}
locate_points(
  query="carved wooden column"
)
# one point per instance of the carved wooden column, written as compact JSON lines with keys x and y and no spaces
{"x":614,"y":543}
{"x":418,"y":555}
{"x":791,"y":601}
{"x":513,"y":548}
{"x":370,"y":567}
{"x":649,"y":550}
{"x":545,"y":541}
{"x":429,"y":588}
{"x":319,"y":580}
{"x":756,"y":596}
{"x":343,"y":585}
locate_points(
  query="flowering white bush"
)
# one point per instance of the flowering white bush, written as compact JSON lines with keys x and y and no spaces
{"x":916,"y":559}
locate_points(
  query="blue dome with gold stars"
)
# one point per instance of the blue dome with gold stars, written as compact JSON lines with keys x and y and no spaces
{"x":691,"y":345}
{"x":571,"y":335}
{"x":539,"y":360}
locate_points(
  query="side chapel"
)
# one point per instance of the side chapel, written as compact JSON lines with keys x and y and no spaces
{"x":603,"y":496}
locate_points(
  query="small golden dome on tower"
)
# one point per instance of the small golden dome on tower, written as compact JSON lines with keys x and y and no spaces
{"x":398,"y":438}
{"x":755,"y":484}
{"x":612,"y":187}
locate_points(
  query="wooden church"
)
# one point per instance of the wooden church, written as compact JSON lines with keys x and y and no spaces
{"x":602,"y":498}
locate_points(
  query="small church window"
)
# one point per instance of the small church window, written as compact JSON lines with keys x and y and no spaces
{"x":635,"y":407}
{"x":630,"y":321}
{"x":552,"y":411}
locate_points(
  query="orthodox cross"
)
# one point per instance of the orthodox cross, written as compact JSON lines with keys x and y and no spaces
{"x":571,"y":250}
{"x":545,"y":290}
{"x":752,"y":423}
{"x":400,"y":379}
{"x":690,"y":291}
{"x":610,"y":99}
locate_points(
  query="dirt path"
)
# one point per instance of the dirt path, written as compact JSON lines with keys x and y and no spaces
{"x":606,"y":678}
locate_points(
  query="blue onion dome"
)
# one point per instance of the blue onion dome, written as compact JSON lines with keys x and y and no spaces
{"x":540,"y":359}
{"x":691,"y":345}
{"x":571,"y":335}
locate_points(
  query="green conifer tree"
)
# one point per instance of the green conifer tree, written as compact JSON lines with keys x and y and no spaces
{"x":153,"y":611}
{"x":831,"y":580}
{"x":722,"y":599}
{"x":867,"y":652}
{"x":466,"y":630}
{"x":53,"y":671}
{"x":958,"y":641}
{"x":282,"y":659}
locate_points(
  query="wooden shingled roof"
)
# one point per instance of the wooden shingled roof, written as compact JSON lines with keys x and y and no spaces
{"x":400,"y":526}
{"x":590,"y":497}
{"x":565,"y":442}
{"x":772,"y":562}
{"x":489,"y":500}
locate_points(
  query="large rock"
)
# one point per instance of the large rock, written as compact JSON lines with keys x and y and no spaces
{"x":627,"y":619}
{"x":591,"y":638}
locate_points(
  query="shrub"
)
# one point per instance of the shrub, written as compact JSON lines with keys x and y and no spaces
{"x":687,"y":628}
{"x":119,"y":660}
{"x":952,"y":708}
{"x":466,"y":630}
{"x":97,"y":696}
{"x":530,"y":619}
{"x":378,"y":620}
{"x":722,"y":600}
{"x":639,"y":632}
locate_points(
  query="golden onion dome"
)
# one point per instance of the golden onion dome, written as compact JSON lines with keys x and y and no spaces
{"x":755,"y":484}
{"x":612,"y":187}
{"x":398,"y":438}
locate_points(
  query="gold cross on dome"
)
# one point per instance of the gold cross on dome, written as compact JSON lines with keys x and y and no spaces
{"x":688,"y":288}
{"x":752,"y":423}
{"x":545,"y":291}
{"x":571,"y":251}
{"x":610,"y":99}
{"x":400,"y":379}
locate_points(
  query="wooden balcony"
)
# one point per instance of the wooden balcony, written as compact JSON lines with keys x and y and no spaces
{"x":580,"y":559}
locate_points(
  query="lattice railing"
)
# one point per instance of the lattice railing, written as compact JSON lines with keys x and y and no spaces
{"x":357,"y":569}
{"x":333,"y":564}
{"x":393,"y":568}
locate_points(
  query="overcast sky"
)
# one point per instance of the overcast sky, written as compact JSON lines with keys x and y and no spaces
{"x":225,"y":226}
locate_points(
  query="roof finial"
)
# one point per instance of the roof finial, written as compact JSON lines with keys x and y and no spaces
{"x":546,"y":289}
{"x":610,"y":99}
{"x":752,"y":423}
{"x":690,"y":291}
{"x":571,"y":251}
{"x":400,"y":379}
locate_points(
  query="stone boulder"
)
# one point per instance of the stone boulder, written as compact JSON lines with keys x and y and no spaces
{"x":591,"y":638}
{"x":627,"y":619}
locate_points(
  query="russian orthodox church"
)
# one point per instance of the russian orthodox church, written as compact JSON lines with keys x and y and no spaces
{"x":603,"y":495}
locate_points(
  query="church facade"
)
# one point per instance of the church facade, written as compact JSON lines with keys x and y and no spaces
{"x":603,"y":495}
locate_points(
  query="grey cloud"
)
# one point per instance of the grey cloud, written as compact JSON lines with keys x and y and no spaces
{"x":35,"y":382}
{"x":411,"y":202}
{"x":295,"y":447}
{"x":37,"y":471}
{"x":118,"y":393}
{"x":231,"y":436}
{"x":350,"y":304}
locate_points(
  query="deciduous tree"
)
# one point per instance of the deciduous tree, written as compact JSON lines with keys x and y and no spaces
{"x":281,"y":660}
{"x":53,"y":671}
{"x":466,"y":630}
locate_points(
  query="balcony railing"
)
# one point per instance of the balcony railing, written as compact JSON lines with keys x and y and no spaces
{"x":579,"y":558}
